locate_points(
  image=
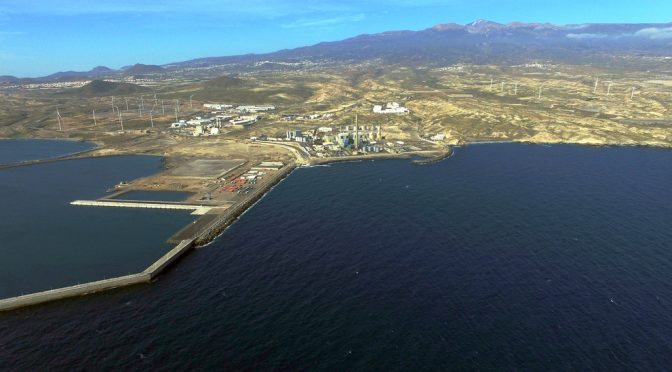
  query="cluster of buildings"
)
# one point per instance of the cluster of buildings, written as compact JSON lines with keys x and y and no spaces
{"x":390,"y":108}
{"x":353,"y":138}
{"x":224,"y":116}
{"x":242,"y":109}
{"x":308,"y":117}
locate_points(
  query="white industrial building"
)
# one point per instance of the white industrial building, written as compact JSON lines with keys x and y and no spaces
{"x":390,"y":108}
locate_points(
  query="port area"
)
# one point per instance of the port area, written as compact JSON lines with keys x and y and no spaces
{"x":217,"y":191}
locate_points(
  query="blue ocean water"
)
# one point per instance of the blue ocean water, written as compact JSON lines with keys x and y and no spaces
{"x":143,"y":195}
{"x":503,"y":257}
{"x":14,"y":151}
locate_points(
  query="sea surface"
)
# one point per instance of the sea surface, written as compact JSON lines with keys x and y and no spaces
{"x":503,"y":257}
{"x":47,"y":243}
{"x":144,"y":195}
{"x":15,"y":151}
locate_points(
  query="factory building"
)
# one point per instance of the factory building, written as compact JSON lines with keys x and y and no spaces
{"x":390,"y":108}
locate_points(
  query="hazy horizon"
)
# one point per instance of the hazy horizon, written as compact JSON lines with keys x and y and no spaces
{"x":42,"y":37}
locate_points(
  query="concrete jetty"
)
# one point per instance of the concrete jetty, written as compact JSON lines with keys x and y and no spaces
{"x":196,"y":209}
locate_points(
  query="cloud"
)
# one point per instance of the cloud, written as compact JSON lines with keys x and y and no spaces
{"x":655,"y":33}
{"x":323,"y":22}
{"x":587,"y":36}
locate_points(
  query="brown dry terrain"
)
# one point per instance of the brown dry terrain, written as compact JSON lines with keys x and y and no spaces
{"x":458,"y":101}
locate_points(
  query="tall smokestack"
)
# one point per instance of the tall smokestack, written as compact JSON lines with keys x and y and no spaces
{"x":356,"y":133}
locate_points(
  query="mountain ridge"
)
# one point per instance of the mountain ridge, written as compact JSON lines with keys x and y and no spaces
{"x":479,"y":42}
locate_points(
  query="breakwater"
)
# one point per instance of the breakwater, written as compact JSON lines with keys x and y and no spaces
{"x":102,"y":285}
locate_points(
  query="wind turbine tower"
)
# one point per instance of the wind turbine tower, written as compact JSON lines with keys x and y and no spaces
{"x":58,"y":116}
{"x":190,"y":106}
{"x":94,"y":118}
{"x":608,"y":88}
{"x":597,"y":81}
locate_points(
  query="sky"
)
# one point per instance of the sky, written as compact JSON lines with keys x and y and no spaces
{"x":40,"y":37}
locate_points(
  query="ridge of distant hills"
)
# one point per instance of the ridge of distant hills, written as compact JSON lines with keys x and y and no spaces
{"x":101,"y":88}
{"x":479,"y":42}
{"x":95,"y":73}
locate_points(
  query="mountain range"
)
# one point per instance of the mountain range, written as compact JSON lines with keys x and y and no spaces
{"x":479,"y":42}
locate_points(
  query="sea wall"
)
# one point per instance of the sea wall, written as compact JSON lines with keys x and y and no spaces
{"x":102,"y":285}
{"x":73,"y":291}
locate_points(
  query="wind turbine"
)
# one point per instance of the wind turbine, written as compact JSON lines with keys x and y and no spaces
{"x":176,"y":119}
{"x":597,"y":80}
{"x":58,"y":116}
{"x":491,"y":82}
{"x":190,"y":106}
{"x":94,"y":118}
{"x":126,"y":99}
{"x":151,"y":119}
{"x":163,"y":108}
{"x":121,"y":120}
{"x":177,"y":105}
{"x":608,"y":87}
